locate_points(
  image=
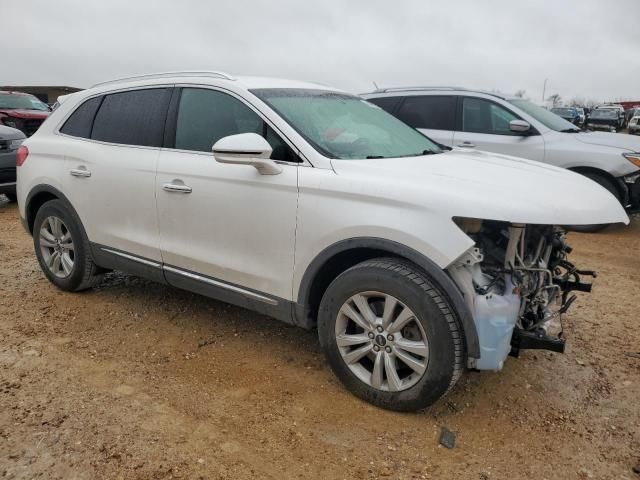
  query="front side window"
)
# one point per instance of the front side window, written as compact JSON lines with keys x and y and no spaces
{"x":134,"y":117}
{"x":433,"y":112}
{"x":343,"y":126}
{"x":483,"y":116}
{"x":205,"y":116}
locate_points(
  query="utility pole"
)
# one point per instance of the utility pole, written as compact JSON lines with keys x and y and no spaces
{"x":544,"y":89}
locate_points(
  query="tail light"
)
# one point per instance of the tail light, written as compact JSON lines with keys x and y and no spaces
{"x":21,"y":155}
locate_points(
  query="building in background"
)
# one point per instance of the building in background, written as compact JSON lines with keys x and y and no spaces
{"x":48,"y":94}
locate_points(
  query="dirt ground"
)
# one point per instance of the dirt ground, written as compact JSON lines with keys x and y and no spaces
{"x":135,"y":380}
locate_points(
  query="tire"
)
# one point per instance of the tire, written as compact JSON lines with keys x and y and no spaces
{"x":11,"y":196}
{"x":433,"y":323}
{"x":67,"y":239}
{"x":609,"y":185}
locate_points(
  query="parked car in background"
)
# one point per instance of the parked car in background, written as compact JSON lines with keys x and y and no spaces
{"x":604,"y":119}
{"x":634,"y":122}
{"x":619,"y":109}
{"x":22,"y":111}
{"x":570,"y":114}
{"x":477,"y":120}
{"x":413,"y":261}
{"x":10,"y":140}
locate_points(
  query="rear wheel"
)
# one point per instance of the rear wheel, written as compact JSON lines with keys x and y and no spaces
{"x":609,"y":185}
{"x":389,"y":335}
{"x":62,"y":248}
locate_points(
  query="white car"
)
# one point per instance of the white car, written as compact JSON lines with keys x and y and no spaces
{"x":634,"y":122}
{"x":471,"y":119}
{"x":315,"y":207}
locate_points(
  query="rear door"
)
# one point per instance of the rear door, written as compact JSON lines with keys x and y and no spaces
{"x":111,"y":161}
{"x":484,"y":125}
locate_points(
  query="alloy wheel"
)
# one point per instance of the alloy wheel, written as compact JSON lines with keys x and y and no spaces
{"x":56,"y":246}
{"x":381,"y":341}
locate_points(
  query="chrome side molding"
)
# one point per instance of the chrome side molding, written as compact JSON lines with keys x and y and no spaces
{"x":218,"y":283}
{"x":195,"y":276}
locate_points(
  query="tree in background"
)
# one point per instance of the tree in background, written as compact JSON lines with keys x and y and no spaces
{"x":520,"y":93}
{"x":555,"y":99}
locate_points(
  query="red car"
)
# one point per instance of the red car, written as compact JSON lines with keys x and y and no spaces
{"x":22,"y":111}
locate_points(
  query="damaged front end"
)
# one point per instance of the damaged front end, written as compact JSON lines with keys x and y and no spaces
{"x":517,"y":282}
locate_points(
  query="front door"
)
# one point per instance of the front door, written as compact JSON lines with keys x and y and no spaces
{"x":484,"y":125}
{"x":225,"y":226}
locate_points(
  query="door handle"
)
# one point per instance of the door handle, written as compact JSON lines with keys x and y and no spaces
{"x":467,"y":145}
{"x":80,"y":172}
{"x":176,"y":188}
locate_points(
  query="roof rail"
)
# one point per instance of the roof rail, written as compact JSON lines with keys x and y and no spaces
{"x":187,"y":73}
{"x":402,"y":89}
{"x":426,"y":89}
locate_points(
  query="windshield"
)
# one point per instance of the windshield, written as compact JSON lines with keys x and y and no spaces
{"x":345,"y":127}
{"x":601,"y":113}
{"x":544,"y":116}
{"x":21,"y":101}
{"x":563,"y":112}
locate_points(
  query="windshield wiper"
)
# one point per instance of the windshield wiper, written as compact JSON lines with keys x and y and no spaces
{"x":371,"y":157}
{"x":570,"y":130}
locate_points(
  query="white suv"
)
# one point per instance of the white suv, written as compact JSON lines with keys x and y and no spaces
{"x":317,"y":208}
{"x":471,"y":119}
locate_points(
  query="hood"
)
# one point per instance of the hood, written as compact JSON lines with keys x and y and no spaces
{"x":606,"y":139}
{"x":487,"y":186}
{"x":25,"y":113}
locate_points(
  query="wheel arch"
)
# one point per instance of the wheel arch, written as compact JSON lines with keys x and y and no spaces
{"x":619,"y":185}
{"x":344,"y":254}
{"x":38,"y":196}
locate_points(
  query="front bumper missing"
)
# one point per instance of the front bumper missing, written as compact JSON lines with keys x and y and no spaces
{"x":538,"y":340}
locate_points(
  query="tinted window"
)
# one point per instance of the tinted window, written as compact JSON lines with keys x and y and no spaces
{"x":133,"y":118}
{"x":80,"y":122}
{"x":387,"y":103}
{"x":483,"y":116}
{"x":205,"y":116}
{"x":435,"y":112}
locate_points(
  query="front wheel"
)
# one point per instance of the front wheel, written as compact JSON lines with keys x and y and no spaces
{"x":390,"y":336}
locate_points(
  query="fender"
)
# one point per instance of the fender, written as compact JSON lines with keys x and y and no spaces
{"x":381,"y":246}
{"x":44,"y":188}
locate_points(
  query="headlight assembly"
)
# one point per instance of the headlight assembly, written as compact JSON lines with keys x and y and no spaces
{"x":633,"y":158}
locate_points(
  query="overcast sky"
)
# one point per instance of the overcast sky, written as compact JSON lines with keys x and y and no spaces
{"x":585,"y":48}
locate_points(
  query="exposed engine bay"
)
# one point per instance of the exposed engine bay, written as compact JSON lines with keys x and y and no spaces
{"x":517,"y":282}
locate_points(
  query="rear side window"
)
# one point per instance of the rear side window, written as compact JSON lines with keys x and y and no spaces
{"x":205,"y":116}
{"x":386,"y":103}
{"x":80,"y":122}
{"x":434,"y":112}
{"x":134,"y":117}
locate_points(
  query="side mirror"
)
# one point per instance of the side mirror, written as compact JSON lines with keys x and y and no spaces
{"x":519,"y":126}
{"x":246,"y":149}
